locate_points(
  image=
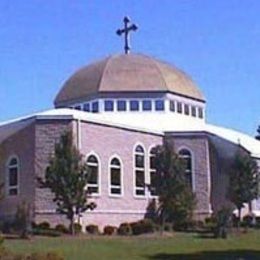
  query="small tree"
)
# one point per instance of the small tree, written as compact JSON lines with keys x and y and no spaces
{"x":67,"y":176}
{"x":243,"y":180}
{"x":258,"y":133}
{"x":176,"y":199}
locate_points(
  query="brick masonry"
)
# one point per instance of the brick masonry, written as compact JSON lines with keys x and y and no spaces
{"x":35,"y":144}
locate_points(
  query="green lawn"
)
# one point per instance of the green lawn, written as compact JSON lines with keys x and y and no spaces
{"x":179,"y":246}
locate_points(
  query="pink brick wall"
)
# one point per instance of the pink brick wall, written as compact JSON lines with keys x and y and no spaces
{"x":35,"y":144}
{"x":106,"y":142}
{"x":21,"y":144}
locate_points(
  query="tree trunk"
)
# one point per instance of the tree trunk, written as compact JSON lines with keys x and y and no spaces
{"x":239,"y":219}
{"x":162,"y":223}
{"x":239,"y":214}
{"x":72,"y":228}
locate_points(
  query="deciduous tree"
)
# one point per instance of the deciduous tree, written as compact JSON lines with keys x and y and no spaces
{"x":243,"y":180}
{"x":175,"y":197}
{"x":258,"y":133}
{"x":67,"y":176}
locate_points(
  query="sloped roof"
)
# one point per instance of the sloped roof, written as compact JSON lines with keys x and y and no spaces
{"x":164,"y":123}
{"x":127,"y":73}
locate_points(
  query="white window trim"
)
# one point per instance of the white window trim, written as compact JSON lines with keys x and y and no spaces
{"x":150,"y":170}
{"x":115,"y":156}
{"x":141,"y":169}
{"x":96,"y":194}
{"x":8,"y":187}
{"x":192,"y":165}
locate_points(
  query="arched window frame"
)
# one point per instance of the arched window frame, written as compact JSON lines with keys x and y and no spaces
{"x":191,"y":171}
{"x":12,"y":190}
{"x":111,"y":186}
{"x":139,"y":191}
{"x":152,"y":170}
{"x":98,"y":164}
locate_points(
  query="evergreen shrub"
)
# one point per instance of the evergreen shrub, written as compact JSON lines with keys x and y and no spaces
{"x":92,"y":229}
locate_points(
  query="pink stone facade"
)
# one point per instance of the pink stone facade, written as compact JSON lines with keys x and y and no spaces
{"x":35,"y":144}
{"x":21,"y":145}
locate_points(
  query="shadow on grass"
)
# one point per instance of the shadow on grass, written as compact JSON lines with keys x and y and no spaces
{"x":212,"y":255}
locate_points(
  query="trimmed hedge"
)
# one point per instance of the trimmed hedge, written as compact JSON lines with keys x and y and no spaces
{"x":46,"y":232}
{"x":109,"y":230}
{"x":43,"y":225}
{"x":92,"y":229}
{"x":62,"y":228}
{"x":142,"y":227}
{"x":124,"y":229}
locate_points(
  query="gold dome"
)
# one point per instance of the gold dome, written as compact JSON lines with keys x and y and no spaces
{"x":125,"y":74}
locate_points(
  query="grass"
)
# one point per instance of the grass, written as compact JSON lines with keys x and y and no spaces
{"x":152,"y":247}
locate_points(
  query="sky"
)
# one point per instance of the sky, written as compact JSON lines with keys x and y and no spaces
{"x":216,"y":42}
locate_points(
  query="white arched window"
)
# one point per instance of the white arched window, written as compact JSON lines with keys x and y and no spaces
{"x":152,"y":171}
{"x":139,"y":171}
{"x":115,"y":177}
{"x":185,"y":155}
{"x":12,"y":176}
{"x":93,"y":168}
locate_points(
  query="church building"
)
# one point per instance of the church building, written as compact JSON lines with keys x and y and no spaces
{"x":119,"y":109}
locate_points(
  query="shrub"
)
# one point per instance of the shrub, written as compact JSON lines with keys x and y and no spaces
{"x":142,"y":227}
{"x":1,"y":240}
{"x":77,"y":228}
{"x":7,"y":227}
{"x":247,"y":221}
{"x":210,"y":224}
{"x":235,"y":220}
{"x":168,"y":227}
{"x":46,"y":232}
{"x":92,"y":229}
{"x":61,"y":228}
{"x":109,"y":230}
{"x":44,"y":225}
{"x":257,"y":222}
{"x":124,"y":229}
{"x":190,"y":225}
{"x":223,"y":219}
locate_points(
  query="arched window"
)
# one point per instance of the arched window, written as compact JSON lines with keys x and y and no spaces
{"x":12,"y":176}
{"x":115,"y":177}
{"x":93,"y":167}
{"x":152,"y":171}
{"x":185,"y":155}
{"x":139,"y":171}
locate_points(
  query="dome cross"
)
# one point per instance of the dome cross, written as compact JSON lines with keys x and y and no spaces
{"x":127,"y":29}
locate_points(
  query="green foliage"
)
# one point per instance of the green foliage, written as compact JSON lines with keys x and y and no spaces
{"x":248,"y":221}
{"x":124,"y":229}
{"x":1,"y":240}
{"x":62,"y":228}
{"x":46,"y":232}
{"x":43,"y":225}
{"x":258,"y":133}
{"x":243,"y":180}
{"x":109,"y":230}
{"x":168,"y":227}
{"x":223,"y":222}
{"x":92,"y":229}
{"x":176,"y":199}
{"x":67,"y":176}
{"x":22,"y":223}
{"x":142,"y":227}
{"x":77,"y":228}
